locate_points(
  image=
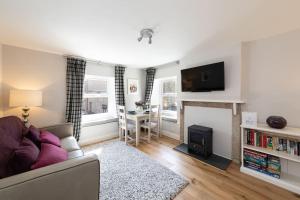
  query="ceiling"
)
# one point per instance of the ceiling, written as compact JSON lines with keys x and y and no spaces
{"x":107,"y":30}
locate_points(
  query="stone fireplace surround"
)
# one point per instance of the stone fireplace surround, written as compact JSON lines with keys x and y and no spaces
{"x":234,"y":105}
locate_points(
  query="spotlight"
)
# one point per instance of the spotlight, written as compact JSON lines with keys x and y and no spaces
{"x":146,"y":33}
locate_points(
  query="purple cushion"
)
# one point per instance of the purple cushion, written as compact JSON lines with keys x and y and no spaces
{"x":50,"y":154}
{"x":12,"y":130}
{"x":7,"y":146}
{"x":34,"y":135}
{"x":13,"y":126}
{"x":47,"y":137}
{"x":24,"y":156}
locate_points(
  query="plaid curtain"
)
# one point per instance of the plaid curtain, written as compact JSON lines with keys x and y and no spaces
{"x":149,"y":84}
{"x":119,"y":85}
{"x":75,"y":79}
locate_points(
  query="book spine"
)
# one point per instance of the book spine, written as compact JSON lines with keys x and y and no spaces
{"x":252,"y":137}
{"x":265,"y":141}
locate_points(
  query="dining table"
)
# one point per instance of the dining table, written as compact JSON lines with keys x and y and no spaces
{"x":137,"y":117}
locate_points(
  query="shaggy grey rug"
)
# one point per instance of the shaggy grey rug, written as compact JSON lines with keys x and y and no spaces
{"x":127,"y":173}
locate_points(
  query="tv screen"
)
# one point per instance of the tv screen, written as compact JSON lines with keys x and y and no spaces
{"x":204,"y":78}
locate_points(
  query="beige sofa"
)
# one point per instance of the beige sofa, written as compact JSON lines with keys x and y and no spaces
{"x":78,"y":178}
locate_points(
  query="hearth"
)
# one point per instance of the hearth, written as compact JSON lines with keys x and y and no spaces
{"x":200,"y":140}
{"x":200,"y":147}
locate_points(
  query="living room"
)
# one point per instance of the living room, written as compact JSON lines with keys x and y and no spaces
{"x":90,"y":78}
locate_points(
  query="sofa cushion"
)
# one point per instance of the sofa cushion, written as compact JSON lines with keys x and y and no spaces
{"x":47,"y":137}
{"x":50,"y":154}
{"x":75,"y":154}
{"x":69,"y":144}
{"x":24,"y":156}
{"x":34,"y":135}
{"x":7,"y":146}
{"x":13,"y":127}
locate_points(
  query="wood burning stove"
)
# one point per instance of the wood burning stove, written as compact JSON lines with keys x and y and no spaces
{"x":200,"y":140}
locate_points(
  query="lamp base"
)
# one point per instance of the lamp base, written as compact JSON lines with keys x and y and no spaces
{"x":25,"y":115}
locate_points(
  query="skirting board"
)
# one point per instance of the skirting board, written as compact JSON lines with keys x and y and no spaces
{"x":171,"y":135}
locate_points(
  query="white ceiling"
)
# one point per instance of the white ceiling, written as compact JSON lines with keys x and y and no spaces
{"x":107,"y":30}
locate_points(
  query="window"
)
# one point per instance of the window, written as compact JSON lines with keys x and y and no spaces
{"x":165,"y":94}
{"x":98,"y":99}
{"x":169,"y":98}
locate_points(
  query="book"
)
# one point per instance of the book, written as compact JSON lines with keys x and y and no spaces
{"x":269,"y":142}
{"x":288,"y":147}
{"x":284,"y":145}
{"x":248,"y":136}
{"x":252,"y":137}
{"x":265,"y":141}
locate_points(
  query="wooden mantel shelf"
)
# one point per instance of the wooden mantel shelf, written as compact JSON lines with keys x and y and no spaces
{"x":233,"y":102}
{"x":214,"y":100}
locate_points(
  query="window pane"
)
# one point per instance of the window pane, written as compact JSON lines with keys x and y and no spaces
{"x":169,"y":103}
{"x":94,"y":86}
{"x":169,"y":86}
{"x":94,"y":105}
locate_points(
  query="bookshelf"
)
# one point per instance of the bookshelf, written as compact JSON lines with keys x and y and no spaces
{"x":287,"y":181}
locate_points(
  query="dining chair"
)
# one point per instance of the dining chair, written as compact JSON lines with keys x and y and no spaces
{"x":125,"y":129}
{"x":152,"y":124}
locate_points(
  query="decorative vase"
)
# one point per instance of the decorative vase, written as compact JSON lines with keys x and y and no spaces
{"x":276,"y":122}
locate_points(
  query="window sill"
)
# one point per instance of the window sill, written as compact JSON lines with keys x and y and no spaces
{"x":169,"y":119}
{"x":99,"y":122}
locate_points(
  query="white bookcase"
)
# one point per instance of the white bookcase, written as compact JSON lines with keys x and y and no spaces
{"x":288,"y":181}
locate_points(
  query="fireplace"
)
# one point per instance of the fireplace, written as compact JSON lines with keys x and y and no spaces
{"x":200,"y":140}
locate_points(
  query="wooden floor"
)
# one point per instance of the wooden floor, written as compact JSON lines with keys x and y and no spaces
{"x":207,"y":182}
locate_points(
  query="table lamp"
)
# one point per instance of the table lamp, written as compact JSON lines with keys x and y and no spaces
{"x":25,"y":99}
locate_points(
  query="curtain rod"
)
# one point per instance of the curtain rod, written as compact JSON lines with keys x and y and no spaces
{"x":99,"y":62}
{"x":86,"y":59}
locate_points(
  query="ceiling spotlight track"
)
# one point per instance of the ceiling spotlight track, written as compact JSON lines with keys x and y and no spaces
{"x":146,"y":33}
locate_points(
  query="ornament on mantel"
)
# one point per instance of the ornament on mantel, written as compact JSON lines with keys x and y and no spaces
{"x":277,"y":122}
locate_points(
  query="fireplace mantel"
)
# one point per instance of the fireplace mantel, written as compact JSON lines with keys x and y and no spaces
{"x":233,"y":102}
{"x":235,"y":105}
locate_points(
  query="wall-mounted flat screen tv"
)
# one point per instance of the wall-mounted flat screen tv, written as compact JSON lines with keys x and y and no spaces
{"x":203,"y":78}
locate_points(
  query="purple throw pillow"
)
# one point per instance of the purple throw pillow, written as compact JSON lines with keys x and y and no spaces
{"x":50,"y":154}
{"x":34,"y":135}
{"x":47,"y":137}
{"x":14,"y":127}
{"x":7,"y":146}
{"x":24,"y":156}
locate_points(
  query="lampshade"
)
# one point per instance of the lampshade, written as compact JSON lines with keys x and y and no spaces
{"x":25,"y":98}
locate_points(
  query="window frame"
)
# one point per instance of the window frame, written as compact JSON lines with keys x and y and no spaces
{"x":110,"y":115}
{"x":168,"y":114}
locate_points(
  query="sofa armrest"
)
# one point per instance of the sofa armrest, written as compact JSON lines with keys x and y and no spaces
{"x":74,"y":179}
{"x":60,"y":130}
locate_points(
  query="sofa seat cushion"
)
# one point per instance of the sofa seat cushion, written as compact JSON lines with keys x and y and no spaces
{"x":69,"y":144}
{"x":75,"y":154}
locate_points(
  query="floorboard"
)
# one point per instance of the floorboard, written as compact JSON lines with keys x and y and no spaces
{"x":207,"y":182}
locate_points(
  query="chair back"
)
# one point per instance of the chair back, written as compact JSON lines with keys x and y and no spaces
{"x":122,"y":117}
{"x":154,"y":113}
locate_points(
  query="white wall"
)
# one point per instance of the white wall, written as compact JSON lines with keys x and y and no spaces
{"x":230,"y":54}
{"x":273,"y":70}
{"x":35,"y":70}
{"x":133,"y":73}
